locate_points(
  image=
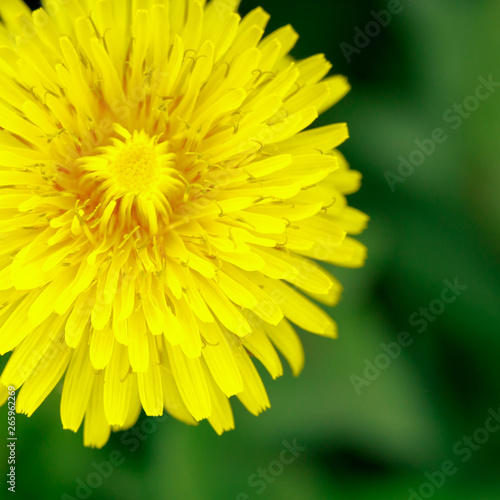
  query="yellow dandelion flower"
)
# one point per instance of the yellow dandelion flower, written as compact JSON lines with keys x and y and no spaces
{"x":162,"y":206}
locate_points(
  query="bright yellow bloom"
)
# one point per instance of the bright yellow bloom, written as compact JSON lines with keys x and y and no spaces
{"x":160,"y":205}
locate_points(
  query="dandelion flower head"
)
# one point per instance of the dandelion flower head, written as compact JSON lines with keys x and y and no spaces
{"x":163,"y":206}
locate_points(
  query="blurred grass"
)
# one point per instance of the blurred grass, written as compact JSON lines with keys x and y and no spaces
{"x":441,"y":223}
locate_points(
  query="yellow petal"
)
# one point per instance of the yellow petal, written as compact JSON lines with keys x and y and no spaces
{"x":172,"y":399}
{"x":190,"y":380}
{"x":220,"y":360}
{"x":117,"y":387}
{"x":77,"y":387}
{"x":254,"y":395}
{"x":223,"y":308}
{"x":101,"y":347}
{"x":138,"y":347}
{"x":221,"y":418}
{"x":150,"y":386}
{"x":259,"y":345}
{"x":42,"y":380}
{"x":96,"y":429}
{"x":287,"y":341}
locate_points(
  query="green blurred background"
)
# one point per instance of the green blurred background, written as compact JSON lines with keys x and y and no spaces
{"x":441,"y":223}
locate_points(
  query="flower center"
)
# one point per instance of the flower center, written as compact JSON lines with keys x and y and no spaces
{"x":133,"y":181}
{"x":131,"y":165}
{"x":135,"y":168}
